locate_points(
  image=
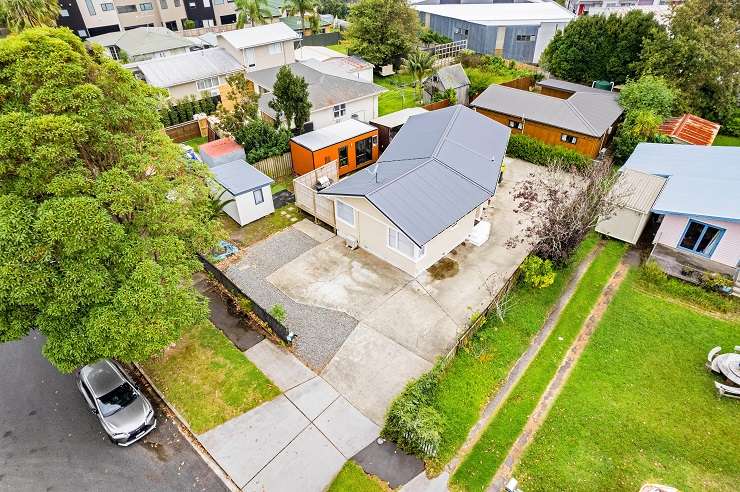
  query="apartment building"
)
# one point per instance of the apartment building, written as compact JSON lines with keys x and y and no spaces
{"x":89,"y":18}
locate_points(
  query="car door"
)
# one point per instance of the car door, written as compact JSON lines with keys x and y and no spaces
{"x":89,"y":399}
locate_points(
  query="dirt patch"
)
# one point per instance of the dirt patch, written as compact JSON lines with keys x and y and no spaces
{"x":444,"y":268}
{"x":157,"y":449}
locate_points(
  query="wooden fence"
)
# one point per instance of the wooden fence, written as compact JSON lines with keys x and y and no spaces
{"x":276,"y":167}
{"x":308,"y":199}
{"x":183,"y":131}
{"x":437,"y":105}
{"x":522,"y":83}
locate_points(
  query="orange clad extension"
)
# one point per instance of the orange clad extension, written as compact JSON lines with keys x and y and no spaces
{"x":353,"y":143}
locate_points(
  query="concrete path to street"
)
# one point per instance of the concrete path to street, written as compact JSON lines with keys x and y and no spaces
{"x":298,"y":441}
{"x":50,"y":441}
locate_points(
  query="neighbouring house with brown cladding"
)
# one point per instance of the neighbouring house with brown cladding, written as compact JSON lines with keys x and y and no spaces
{"x":584,"y":122}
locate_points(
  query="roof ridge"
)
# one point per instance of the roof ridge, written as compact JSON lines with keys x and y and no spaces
{"x":463,"y":175}
{"x":579,"y":114}
{"x":427,"y":161}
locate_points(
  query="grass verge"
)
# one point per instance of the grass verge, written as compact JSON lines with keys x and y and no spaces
{"x":478,"y":468}
{"x":480,"y":367}
{"x":353,"y":478}
{"x":640,"y":406}
{"x":196,"y":142}
{"x":207,"y":379}
{"x":727,"y":140}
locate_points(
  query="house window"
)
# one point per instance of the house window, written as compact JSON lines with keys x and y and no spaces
{"x":163,"y":4}
{"x":701,"y":238}
{"x":64,"y":13}
{"x":90,"y":7}
{"x":258,"y":196}
{"x":276,"y":48}
{"x":206,"y":3}
{"x":343,"y":156}
{"x":208,"y":22}
{"x":568,"y":138}
{"x":107,"y":7}
{"x":401,"y":243}
{"x":516,"y":124}
{"x":82,"y":33}
{"x":363,"y":150}
{"x":346,"y":213}
{"x":177,"y":3}
{"x":126,"y":9}
{"x":525,"y":37}
{"x":146,"y":6}
{"x":218,"y":2}
{"x":205,"y":84}
{"x":340,"y":110}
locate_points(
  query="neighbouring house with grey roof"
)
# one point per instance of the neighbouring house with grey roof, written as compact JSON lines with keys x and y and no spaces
{"x":564,"y":89}
{"x":428,"y":190}
{"x":333,"y":98}
{"x":446,"y":78}
{"x":144,"y":43}
{"x":189,"y":74}
{"x":584,"y":122}
{"x":245,"y":188}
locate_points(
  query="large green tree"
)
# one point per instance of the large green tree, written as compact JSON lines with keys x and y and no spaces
{"x":382,"y":31}
{"x":700,"y":54}
{"x":595,"y":47}
{"x":290,"y":99}
{"x":99,"y":215}
{"x":418,"y":64}
{"x":300,"y":8}
{"x":22,"y":14}
{"x":252,"y":11}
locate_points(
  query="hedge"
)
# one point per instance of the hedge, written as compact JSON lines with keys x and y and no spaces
{"x":184,"y":110}
{"x":532,"y":150}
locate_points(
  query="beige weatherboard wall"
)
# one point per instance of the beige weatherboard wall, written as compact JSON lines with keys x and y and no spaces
{"x":371,"y":230}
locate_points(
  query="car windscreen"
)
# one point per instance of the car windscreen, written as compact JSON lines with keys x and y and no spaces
{"x":116,"y":399}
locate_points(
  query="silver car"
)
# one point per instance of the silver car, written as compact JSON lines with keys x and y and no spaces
{"x":124,"y":412}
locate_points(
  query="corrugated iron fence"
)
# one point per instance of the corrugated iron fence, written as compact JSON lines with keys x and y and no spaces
{"x":275,"y":326}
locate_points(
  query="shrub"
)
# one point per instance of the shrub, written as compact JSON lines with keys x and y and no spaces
{"x":532,"y":150}
{"x":261,"y":140}
{"x":188,"y":24}
{"x":537,"y":272}
{"x":715,"y":282}
{"x":412,"y":423}
{"x":278,"y":312}
{"x":428,"y":36}
{"x":651,"y":272}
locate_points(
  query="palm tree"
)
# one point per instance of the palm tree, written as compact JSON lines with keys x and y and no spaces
{"x":254,"y":10}
{"x":300,"y":7}
{"x":418,"y":64}
{"x":22,"y":14}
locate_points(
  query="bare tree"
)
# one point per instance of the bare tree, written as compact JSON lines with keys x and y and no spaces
{"x":564,"y":205}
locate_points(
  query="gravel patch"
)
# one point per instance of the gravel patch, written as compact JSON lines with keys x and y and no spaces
{"x":319,"y":332}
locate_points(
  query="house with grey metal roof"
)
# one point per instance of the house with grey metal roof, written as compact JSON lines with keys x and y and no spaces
{"x":564,"y":89}
{"x":426,"y":193}
{"x":244,"y":188}
{"x":189,"y":74}
{"x":333,"y":98}
{"x":144,"y":43}
{"x":584,"y":122}
{"x":450,"y":77}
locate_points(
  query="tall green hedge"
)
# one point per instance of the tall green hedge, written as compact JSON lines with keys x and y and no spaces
{"x":532,"y":150}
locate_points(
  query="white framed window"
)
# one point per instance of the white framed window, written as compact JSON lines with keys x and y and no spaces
{"x":276,"y":48}
{"x":206,"y":3}
{"x":126,"y":9}
{"x":146,"y":6}
{"x":564,"y":137}
{"x":90,"y":7}
{"x":400,"y":242}
{"x":82,"y":33}
{"x":525,"y":37}
{"x":258,"y":196}
{"x":163,"y":4}
{"x":205,"y":84}
{"x":340,"y":110}
{"x":63,"y":13}
{"x":515,"y":124}
{"x":177,"y":3}
{"x":346,"y":213}
{"x":107,"y":7}
{"x":208,"y":22}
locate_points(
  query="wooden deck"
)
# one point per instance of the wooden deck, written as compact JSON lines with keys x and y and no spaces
{"x":687,"y":266}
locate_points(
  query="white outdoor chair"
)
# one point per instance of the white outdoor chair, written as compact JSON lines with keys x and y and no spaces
{"x":711,"y":356}
{"x":728,"y":391}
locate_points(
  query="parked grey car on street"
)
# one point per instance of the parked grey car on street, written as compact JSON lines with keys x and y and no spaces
{"x":124,"y":412}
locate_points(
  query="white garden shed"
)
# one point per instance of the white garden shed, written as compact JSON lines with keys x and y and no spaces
{"x":637,"y":192}
{"x":247,"y":186}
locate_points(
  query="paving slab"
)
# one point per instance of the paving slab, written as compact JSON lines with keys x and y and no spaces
{"x":309,"y":463}
{"x":387,"y":462}
{"x":312,"y":397}
{"x":423,"y":484}
{"x":370,"y":369}
{"x":245,"y":444}
{"x":334,"y":277}
{"x":432,"y":331}
{"x":280,"y":366}
{"x":346,"y":427}
{"x":314,"y":231}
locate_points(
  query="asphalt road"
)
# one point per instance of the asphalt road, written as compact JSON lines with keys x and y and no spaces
{"x":50,"y":441}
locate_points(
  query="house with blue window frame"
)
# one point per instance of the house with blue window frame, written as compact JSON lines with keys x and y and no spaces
{"x":697,"y":209}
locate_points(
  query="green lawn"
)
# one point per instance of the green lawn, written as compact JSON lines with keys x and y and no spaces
{"x":262,"y":228}
{"x":640,"y":406}
{"x":352,"y":478}
{"x":208,"y":379}
{"x":478,"y":468}
{"x":196,"y":142}
{"x":401,"y":93}
{"x":479,"y":368}
{"x":340,"y":48}
{"x":727,"y":140}
{"x":280,"y":184}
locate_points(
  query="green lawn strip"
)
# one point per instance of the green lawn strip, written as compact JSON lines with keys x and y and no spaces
{"x":478,"y":468}
{"x":727,"y":140}
{"x":207,"y":379}
{"x":480,"y":367}
{"x":401,"y":93}
{"x":196,"y":142}
{"x":640,"y":406}
{"x":352,"y":478}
